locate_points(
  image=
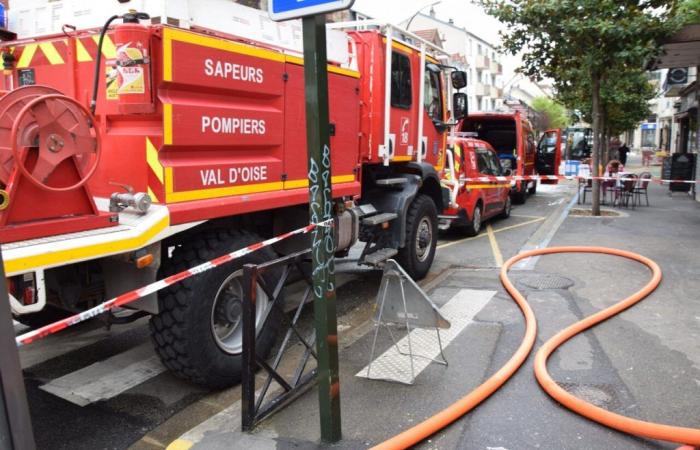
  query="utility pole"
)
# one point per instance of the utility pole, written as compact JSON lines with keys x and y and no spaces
{"x":320,"y":210}
{"x":320,"y":199}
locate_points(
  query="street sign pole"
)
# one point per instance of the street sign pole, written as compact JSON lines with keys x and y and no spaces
{"x":15,"y":423}
{"x":321,"y":209}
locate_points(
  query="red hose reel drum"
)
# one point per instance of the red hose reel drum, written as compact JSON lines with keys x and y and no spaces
{"x":40,"y":130}
{"x":49,"y":149}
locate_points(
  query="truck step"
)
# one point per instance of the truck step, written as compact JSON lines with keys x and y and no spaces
{"x":393,"y":182}
{"x":378,"y":257}
{"x":379,"y":219}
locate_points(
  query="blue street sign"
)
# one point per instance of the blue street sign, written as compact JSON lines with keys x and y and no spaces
{"x":293,"y":9}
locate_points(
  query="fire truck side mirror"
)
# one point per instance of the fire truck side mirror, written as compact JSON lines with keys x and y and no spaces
{"x":459,"y":79}
{"x":461,"y":108}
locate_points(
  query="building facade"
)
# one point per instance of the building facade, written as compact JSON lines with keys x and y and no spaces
{"x":668,"y":127}
{"x":471,"y":53}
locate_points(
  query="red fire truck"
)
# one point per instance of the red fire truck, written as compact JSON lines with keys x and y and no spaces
{"x":513,"y":138}
{"x":473,"y":203}
{"x":197,"y":147}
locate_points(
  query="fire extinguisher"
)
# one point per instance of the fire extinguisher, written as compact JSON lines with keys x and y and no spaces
{"x":133,"y":65}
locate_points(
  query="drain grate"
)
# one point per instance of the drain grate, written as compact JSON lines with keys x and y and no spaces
{"x":546,"y":281}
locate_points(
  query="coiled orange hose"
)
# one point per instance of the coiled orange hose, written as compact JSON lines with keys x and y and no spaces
{"x":622,"y":423}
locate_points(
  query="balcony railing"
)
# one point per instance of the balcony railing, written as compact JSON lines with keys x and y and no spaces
{"x":482,"y":62}
{"x":496,"y":68}
{"x":481,"y":89}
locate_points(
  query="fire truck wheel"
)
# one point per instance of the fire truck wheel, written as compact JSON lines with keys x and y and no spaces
{"x":506,"y":208}
{"x":198,"y":332}
{"x":473,"y":227}
{"x":520,"y":196}
{"x":417,"y":255}
{"x":533,"y":189}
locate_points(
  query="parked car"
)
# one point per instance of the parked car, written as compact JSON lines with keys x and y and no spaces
{"x":476,"y":202}
{"x":511,"y":135}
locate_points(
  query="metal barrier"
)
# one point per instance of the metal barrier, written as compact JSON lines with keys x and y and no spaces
{"x":255,"y":408}
{"x":15,"y":423}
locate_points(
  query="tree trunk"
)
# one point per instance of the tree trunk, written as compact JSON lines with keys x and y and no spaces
{"x":595,"y":208}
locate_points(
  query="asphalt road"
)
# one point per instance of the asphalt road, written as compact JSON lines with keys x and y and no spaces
{"x":91,"y":388}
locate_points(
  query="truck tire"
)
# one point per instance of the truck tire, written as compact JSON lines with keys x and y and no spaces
{"x":473,"y":227}
{"x":505,"y":213}
{"x":520,"y":196}
{"x":533,"y":189}
{"x":198,"y":333}
{"x":418,"y":253}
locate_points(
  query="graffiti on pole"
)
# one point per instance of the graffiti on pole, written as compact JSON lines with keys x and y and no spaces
{"x":321,"y":209}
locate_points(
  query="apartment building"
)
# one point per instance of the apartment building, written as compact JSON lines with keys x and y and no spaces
{"x":471,"y":53}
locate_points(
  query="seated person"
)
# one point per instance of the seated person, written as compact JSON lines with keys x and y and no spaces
{"x":611,"y":170}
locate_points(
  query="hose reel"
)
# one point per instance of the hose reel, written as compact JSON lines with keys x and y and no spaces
{"x":42,"y":130}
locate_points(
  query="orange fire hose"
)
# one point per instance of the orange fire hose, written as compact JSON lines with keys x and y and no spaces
{"x":616,"y":421}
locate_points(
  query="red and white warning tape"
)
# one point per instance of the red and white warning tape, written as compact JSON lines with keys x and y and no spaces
{"x":131,"y":296}
{"x":485,"y":179}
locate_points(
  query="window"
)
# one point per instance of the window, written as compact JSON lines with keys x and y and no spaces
{"x":433,"y":96}
{"x":487,"y":162}
{"x":401,"y":93}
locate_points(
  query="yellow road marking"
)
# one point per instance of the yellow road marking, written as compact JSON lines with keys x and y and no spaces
{"x":529,"y":222}
{"x":180,"y":444}
{"x":155,"y":443}
{"x":527,"y":217}
{"x":494,"y":246}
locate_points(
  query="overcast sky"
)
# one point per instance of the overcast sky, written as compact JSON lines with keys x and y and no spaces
{"x":463,"y":12}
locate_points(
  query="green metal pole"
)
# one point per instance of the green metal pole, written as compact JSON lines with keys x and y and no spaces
{"x":321,"y":209}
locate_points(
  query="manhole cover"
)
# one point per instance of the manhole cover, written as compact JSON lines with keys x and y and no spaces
{"x":546,"y":282}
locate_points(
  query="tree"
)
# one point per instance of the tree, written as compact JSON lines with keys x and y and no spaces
{"x":624,"y":99}
{"x":571,"y":41}
{"x":554,"y":111}
{"x":689,"y":12}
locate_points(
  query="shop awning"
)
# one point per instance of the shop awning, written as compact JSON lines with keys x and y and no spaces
{"x":681,"y":50}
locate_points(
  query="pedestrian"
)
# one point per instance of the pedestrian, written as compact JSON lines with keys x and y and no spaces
{"x":622,"y":153}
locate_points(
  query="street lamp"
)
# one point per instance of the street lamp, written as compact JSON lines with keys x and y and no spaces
{"x":418,"y":12}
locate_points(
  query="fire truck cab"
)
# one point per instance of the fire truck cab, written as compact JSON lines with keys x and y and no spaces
{"x":136,"y":150}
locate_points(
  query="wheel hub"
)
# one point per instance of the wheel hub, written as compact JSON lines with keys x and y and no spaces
{"x":424,"y":238}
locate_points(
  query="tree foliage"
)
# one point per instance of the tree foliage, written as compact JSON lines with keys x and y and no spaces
{"x":689,"y":11}
{"x":587,"y":46}
{"x":555,"y":112}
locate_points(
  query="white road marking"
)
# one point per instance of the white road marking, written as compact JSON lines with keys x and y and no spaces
{"x":109,"y":378}
{"x":529,"y":263}
{"x":67,"y":341}
{"x":459,"y":310}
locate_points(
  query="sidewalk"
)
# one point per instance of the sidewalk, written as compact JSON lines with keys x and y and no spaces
{"x":644,"y":363}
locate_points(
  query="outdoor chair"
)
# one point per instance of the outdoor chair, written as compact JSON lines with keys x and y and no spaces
{"x":642,"y":187}
{"x":628,"y":184}
{"x":587,"y":185}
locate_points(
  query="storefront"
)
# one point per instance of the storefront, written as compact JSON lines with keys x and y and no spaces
{"x":687,"y":119}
